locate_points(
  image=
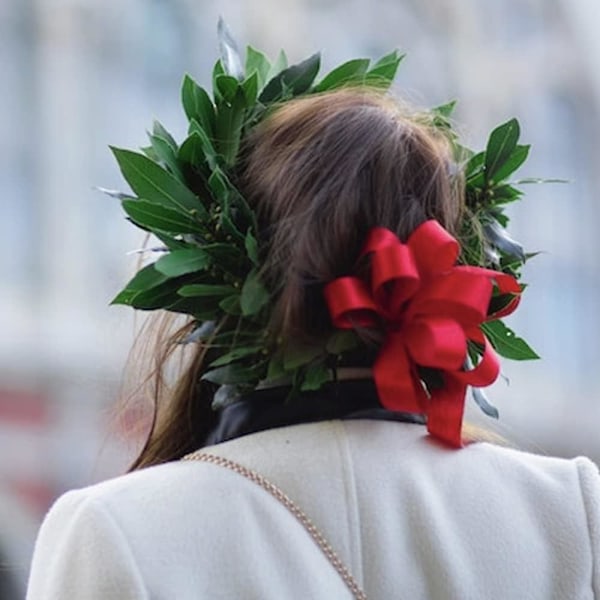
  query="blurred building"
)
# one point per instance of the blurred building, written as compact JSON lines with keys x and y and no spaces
{"x":77,"y":75}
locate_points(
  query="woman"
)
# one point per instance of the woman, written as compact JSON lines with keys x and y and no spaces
{"x":329,"y":488}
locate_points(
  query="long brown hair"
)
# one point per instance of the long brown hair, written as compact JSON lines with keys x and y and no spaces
{"x":320,"y":171}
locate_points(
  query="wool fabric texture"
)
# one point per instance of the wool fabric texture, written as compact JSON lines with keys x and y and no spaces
{"x":408,"y":517}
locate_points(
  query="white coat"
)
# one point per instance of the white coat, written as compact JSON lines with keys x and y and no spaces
{"x":410,"y":519}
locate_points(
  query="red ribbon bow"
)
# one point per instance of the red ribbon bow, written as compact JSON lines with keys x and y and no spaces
{"x":428,"y":308}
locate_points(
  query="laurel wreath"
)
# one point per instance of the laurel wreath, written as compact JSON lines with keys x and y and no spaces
{"x":208,"y":266}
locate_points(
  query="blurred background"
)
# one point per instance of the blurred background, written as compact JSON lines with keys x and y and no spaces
{"x":77,"y":75}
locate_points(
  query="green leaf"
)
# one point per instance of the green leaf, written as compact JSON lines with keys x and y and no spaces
{"x":393,"y":58}
{"x":445,"y":110}
{"x":234,"y":355}
{"x":257,"y":61}
{"x":202,"y":309}
{"x":155,"y":216}
{"x":223,"y":252}
{"x":229,"y":122}
{"x":227,"y":86}
{"x":231,"y":305}
{"x":501,"y":144}
{"x":145,"y":279}
{"x":153,"y":183}
{"x":150,"y":153}
{"x":158,"y":297}
{"x":250,"y":87}
{"x":474,"y":188}
{"x":217,"y":70}
{"x":514,"y":161}
{"x":251,"y":245}
{"x":167,"y":155}
{"x":238,"y":202}
{"x":314,"y":377}
{"x":276,"y":370}
{"x":299,"y":354}
{"x":499,"y":302}
{"x":498,"y":214}
{"x":208,"y":148}
{"x":191,"y":151}
{"x":231,"y":374}
{"x":235,"y":337}
{"x":279,"y":65}
{"x":182,"y":262}
{"x":341,"y":341}
{"x":442,"y":120}
{"x":293,"y":81}
{"x":506,"y":343}
{"x":172,"y":243}
{"x":352,"y":71}
{"x":537,"y":180}
{"x":159,"y":131}
{"x":230,"y":228}
{"x":475,"y":165}
{"x":197,"y":105}
{"x":254,"y":294}
{"x":219,"y":185}
{"x":205,"y":289}
{"x":145,"y":287}
{"x":502,"y":194}
{"x":384,"y":70}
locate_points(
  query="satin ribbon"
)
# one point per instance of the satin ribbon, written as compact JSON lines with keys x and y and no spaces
{"x":428,"y":309}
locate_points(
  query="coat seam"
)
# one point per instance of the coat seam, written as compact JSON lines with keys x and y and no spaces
{"x":351,"y":494}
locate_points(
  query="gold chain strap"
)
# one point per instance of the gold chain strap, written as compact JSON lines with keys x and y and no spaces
{"x":296,"y":511}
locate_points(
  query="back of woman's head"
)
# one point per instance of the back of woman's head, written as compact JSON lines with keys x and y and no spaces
{"x":321,"y":171}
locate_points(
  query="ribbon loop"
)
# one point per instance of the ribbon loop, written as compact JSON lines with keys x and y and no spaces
{"x":434,"y":248}
{"x":350,"y":303}
{"x":394,"y":276}
{"x":429,"y":309}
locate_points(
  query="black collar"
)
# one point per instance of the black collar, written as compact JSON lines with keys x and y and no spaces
{"x":277,"y":407}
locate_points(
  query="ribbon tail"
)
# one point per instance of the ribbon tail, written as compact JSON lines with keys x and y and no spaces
{"x":488,"y":368}
{"x":398,"y":386}
{"x":445,"y":412}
